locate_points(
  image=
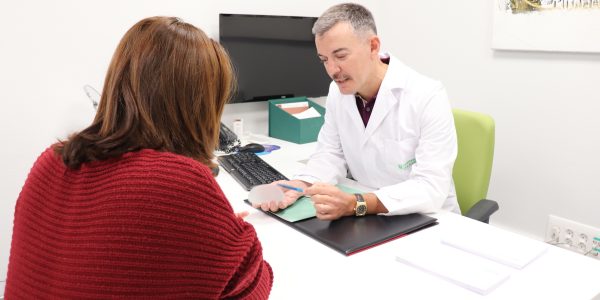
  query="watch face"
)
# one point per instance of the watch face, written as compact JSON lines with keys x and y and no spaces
{"x":361,"y":210}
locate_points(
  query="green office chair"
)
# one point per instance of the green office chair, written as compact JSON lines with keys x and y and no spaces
{"x":473,"y":166}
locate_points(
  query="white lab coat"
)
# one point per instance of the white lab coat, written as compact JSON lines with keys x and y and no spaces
{"x":406,"y":152}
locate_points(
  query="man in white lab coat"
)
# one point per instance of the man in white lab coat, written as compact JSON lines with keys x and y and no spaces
{"x":388,"y":126}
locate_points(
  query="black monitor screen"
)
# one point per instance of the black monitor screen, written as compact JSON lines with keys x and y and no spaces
{"x":274,"y":56}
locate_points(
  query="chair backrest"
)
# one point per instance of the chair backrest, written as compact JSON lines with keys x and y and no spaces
{"x":473,"y":166}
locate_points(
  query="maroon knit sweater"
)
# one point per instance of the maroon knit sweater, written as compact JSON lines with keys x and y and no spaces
{"x":146,"y":225}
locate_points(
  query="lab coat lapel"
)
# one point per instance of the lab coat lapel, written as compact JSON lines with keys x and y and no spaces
{"x":350,"y":106}
{"x":383,"y":106}
{"x":395,"y":78}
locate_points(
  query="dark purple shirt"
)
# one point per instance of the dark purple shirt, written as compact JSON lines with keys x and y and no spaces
{"x":365,"y":109}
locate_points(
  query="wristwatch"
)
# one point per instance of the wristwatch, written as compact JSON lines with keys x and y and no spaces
{"x":361,"y":206}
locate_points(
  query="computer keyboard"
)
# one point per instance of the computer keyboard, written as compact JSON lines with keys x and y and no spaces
{"x":249,"y":169}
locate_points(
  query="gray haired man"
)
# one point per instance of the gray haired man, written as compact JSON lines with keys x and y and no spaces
{"x":388,"y":126}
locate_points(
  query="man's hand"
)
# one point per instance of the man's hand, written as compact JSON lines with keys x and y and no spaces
{"x":290,"y":196}
{"x":330,"y":202}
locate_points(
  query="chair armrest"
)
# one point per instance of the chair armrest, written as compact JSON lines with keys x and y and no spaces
{"x":482,"y":210}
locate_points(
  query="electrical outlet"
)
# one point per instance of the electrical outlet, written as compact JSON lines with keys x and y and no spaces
{"x":574,"y":236}
{"x":596,"y":244}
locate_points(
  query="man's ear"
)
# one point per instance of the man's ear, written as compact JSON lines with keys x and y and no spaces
{"x":375,"y":45}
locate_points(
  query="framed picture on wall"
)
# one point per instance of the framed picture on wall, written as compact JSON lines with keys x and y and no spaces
{"x":547,"y":25}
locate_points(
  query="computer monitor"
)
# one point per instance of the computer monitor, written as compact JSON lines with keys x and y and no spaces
{"x":274,"y":56}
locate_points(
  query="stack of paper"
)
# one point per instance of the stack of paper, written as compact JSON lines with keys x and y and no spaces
{"x":492,"y":243}
{"x":299,"y":110}
{"x":474,"y":255}
{"x":459,"y":267}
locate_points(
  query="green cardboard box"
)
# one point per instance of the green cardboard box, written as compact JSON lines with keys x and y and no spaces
{"x":284,"y":126}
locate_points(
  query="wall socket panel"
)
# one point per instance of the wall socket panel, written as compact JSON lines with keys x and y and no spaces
{"x":574,"y":236}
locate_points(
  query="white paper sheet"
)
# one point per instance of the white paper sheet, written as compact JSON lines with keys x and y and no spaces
{"x":457,"y":266}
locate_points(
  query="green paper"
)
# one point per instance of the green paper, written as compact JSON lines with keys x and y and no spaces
{"x":303,"y":208}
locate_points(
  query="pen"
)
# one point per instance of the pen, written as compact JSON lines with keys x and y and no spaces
{"x":289,"y":187}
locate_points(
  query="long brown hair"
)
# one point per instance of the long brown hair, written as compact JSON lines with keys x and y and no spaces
{"x":165,"y":89}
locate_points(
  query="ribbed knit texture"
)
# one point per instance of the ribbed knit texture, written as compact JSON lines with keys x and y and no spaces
{"x":147,"y":225}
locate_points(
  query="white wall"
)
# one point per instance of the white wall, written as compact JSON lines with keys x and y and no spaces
{"x":544,"y":103}
{"x":546,"y":107}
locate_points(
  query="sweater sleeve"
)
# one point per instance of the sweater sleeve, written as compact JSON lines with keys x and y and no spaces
{"x":253,"y":277}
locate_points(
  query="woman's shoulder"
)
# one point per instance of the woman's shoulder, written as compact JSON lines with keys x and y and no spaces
{"x":165,"y":161}
{"x":169,"y":166}
{"x":49,"y":157}
{"x":173,"y":174}
{"x":180,"y":180}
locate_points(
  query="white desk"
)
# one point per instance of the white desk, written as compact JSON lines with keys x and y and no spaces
{"x":306,"y":269}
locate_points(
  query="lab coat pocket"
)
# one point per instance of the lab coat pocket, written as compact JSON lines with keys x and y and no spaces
{"x":400,"y":156}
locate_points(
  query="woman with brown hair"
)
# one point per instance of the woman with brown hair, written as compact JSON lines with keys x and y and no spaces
{"x":128,"y":206}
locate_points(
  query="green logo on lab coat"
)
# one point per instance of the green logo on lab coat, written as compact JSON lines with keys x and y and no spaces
{"x":407,"y":164}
